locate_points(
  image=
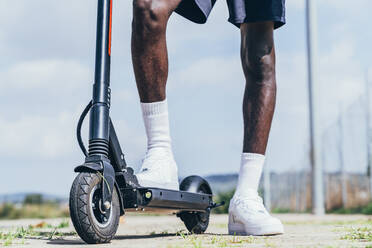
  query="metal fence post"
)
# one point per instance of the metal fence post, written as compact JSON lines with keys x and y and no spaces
{"x":315,"y":133}
{"x":369,"y":133}
{"x":267,"y":193}
{"x":343,"y":150}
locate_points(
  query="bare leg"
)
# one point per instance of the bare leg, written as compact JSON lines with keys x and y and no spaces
{"x":258,"y":60}
{"x":247,"y":214}
{"x":149,"y":48}
{"x":150,"y":63}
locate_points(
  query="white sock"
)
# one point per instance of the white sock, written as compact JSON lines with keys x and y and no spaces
{"x":250,"y":173}
{"x":155,"y":117}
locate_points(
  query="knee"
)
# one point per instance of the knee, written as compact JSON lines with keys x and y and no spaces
{"x":149,"y":16}
{"x":259,"y":65}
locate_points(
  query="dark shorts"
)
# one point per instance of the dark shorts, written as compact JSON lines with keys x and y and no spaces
{"x":241,"y":11}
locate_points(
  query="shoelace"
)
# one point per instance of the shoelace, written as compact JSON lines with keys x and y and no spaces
{"x":251,"y":203}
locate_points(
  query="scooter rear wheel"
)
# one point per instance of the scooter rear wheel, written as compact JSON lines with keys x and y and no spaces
{"x":195,"y":222}
{"x":93,"y":225}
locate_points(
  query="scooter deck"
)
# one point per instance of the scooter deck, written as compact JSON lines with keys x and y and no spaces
{"x":154,"y":199}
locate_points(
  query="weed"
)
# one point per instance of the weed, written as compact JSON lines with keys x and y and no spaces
{"x":20,"y":234}
{"x":226,"y":197}
{"x":338,"y":222}
{"x":215,"y":239}
{"x":182,"y":234}
{"x":222,"y":243}
{"x":360,"y":234}
{"x":358,"y":210}
{"x":220,"y":225}
{"x":269,"y":244}
{"x":177,"y":246}
{"x":236,"y":240}
{"x":42,"y":211}
{"x":63,"y":224}
{"x":43,"y":224}
{"x":197,"y":243}
{"x":249,"y":239}
{"x":281,"y":210}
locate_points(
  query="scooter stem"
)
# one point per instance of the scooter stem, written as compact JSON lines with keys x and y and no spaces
{"x":99,"y":114}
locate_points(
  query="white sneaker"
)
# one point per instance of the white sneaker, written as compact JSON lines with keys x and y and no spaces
{"x":248,"y":216}
{"x":159,"y":170}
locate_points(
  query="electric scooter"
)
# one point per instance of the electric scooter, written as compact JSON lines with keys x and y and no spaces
{"x":106,"y":187}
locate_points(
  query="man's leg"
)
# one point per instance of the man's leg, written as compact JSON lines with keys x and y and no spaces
{"x":149,"y":48}
{"x":258,"y":61}
{"x":150,"y":63}
{"x":247,"y":213}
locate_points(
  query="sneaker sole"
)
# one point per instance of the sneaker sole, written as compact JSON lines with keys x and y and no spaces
{"x":151,"y":184}
{"x":263,"y":230}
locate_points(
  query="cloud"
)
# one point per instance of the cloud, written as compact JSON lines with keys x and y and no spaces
{"x":356,"y":8}
{"x":47,"y":65}
{"x":38,"y":137}
{"x":341,"y":79}
{"x":295,"y":4}
{"x":341,"y":84}
{"x":212,"y":70}
{"x":53,"y":137}
{"x":335,"y":5}
{"x":45,"y":74}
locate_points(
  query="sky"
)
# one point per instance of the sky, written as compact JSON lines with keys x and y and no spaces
{"x":47,"y":53}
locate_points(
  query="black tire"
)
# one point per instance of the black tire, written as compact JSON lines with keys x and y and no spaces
{"x":92,"y":224}
{"x":195,"y":222}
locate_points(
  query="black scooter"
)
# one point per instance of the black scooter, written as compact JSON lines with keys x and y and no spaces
{"x":106,"y":187}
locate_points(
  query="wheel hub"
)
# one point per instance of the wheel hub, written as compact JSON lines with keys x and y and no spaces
{"x":101,"y":217}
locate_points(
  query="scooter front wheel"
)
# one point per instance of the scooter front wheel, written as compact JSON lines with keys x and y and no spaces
{"x":93,"y":225}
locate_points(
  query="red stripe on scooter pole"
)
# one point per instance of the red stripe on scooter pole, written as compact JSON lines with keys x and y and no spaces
{"x":109,"y":48}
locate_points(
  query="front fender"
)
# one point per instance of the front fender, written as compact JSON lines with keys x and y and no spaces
{"x":89,"y":167}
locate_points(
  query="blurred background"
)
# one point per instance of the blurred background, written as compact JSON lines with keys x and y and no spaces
{"x":47,"y":53}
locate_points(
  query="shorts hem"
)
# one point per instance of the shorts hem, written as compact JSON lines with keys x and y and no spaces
{"x":278,"y":21}
{"x":193,"y":11}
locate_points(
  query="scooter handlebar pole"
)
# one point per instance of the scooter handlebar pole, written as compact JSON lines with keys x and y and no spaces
{"x":99,"y":114}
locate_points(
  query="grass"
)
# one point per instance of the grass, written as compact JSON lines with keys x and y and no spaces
{"x":359,"y":234}
{"x":270,"y":244}
{"x":367,"y":210}
{"x":29,"y":211}
{"x":18,"y":236}
{"x":219,"y":225}
{"x":226,"y":197}
{"x":223,"y":197}
{"x":327,"y":223}
{"x":281,"y":211}
{"x":199,"y":241}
